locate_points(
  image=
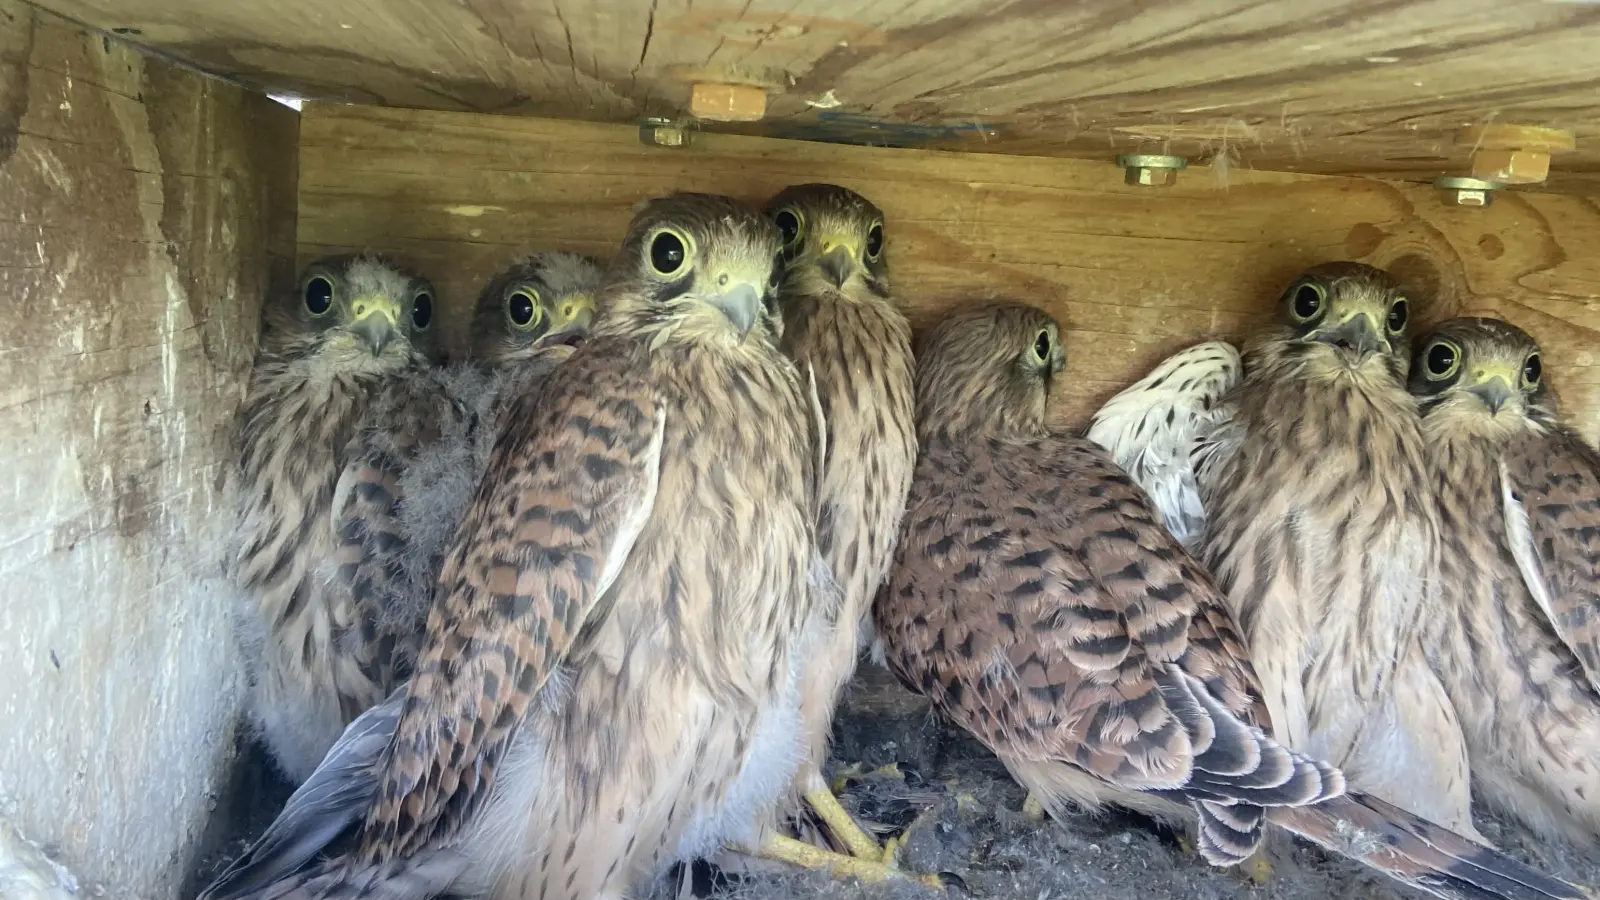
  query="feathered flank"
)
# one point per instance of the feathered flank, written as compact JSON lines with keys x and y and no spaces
{"x":1039,"y":602}
{"x":1153,"y":427}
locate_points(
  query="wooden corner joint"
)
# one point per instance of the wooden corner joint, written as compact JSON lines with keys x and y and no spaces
{"x":727,"y":102}
{"x":1513,"y":154}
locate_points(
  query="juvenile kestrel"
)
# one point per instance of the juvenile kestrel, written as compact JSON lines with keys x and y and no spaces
{"x":1040,"y":604}
{"x":1517,"y":637}
{"x":840,"y":322}
{"x":424,"y":442}
{"x":352,"y":325}
{"x":609,"y":680}
{"x":1319,"y":525}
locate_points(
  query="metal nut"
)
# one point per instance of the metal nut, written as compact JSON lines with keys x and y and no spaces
{"x":1460,"y":191}
{"x":1151,"y":170}
{"x":658,"y":132}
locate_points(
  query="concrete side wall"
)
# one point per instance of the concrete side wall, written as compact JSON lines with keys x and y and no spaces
{"x":143,"y":212}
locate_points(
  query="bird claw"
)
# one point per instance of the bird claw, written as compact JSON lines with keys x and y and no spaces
{"x":1032,"y":809}
{"x":844,"y":828}
{"x":786,"y":849}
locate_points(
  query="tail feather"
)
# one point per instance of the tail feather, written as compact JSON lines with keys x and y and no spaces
{"x":1228,"y":834}
{"x":1419,"y":853}
{"x":318,"y":814}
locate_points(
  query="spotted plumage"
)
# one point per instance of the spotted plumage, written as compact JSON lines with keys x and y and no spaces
{"x":840,"y":323}
{"x":424,"y":442}
{"x":351,"y":326}
{"x":1038,"y":601}
{"x":1323,"y":532}
{"x":609,"y":677}
{"x":1515,"y":637}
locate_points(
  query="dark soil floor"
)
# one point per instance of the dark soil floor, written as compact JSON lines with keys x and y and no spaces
{"x":900,"y":768}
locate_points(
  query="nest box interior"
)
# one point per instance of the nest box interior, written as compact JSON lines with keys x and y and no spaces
{"x":151,"y":193}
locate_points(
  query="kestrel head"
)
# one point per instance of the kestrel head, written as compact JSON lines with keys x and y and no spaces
{"x":703,"y":267}
{"x":1347,"y":316}
{"x":357,"y":314}
{"x":1482,"y":374}
{"x":986,"y":371}
{"x":833,"y":233}
{"x":539,"y":303}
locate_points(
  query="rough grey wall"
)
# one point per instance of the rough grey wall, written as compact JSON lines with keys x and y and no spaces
{"x":143,"y":210}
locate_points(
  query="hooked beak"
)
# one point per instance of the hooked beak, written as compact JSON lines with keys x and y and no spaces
{"x":1492,"y":383}
{"x":741,"y":303}
{"x":377,"y":321}
{"x":578,"y":313}
{"x":838,"y":260}
{"x":1358,"y":335}
{"x":1493,"y":393}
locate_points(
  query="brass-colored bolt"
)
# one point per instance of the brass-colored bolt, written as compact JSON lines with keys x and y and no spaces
{"x":1460,"y":191}
{"x":1151,"y":170}
{"x":658,"y":132}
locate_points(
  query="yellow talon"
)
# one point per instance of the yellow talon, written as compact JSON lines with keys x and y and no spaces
{"x":1257,"y":868}
{"x":1032,"y":808}
{"x":798,"y":853}
{"x":843,"y":826}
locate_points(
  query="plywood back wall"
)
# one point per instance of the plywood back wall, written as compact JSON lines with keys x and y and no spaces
{"x":1132,"y":273}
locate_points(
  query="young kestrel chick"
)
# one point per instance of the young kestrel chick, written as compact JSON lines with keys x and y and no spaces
{"x":841,"y":324}
{"x":1040,"y":604}
{"x":351,"y":326}
{"x":1517,"y":633}
{"x":609,"y":678}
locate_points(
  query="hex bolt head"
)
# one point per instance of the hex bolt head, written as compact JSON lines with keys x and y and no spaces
{"x":658,"y":132}
{"x":1458,"y":191}
{"x":1151,"y":170}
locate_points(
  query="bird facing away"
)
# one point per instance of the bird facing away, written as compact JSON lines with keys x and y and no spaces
{"x":841,"y":324}
{"x":609,"y":678}
{"x":352,"y":324}
{"x":1517,"y":640}
{"x":1153,"y":427}
{"x":1040,"y":604}
{"x":424,"y":442}
{"x":1322,"y":530}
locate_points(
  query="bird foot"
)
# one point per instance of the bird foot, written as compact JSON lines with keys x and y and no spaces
{"x":1257,"y":868}
{"x":1032,"y":809}
{"x":844,"y":829}
{"x":798,"y":853}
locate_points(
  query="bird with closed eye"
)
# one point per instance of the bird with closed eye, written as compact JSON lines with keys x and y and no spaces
{"x":350,"y":327}
{"x":608,"y":679}
{"x":1308,"y":499}
{"x":1037,"y":601}
{"x":1516,"y":636}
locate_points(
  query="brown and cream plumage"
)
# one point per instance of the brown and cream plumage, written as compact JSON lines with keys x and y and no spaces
{"x":1038,"y":601}
{"x":1517,"y":636}
{"x":609,"y":677}
{"x":351,"y":325}
{"x":424,"y":442}
{"x":840,"y":323}
{"x":1321,"y":528}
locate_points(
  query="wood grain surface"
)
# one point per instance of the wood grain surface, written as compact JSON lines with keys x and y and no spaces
{"x":1367,"y":87}
{"x":1133,"y":273}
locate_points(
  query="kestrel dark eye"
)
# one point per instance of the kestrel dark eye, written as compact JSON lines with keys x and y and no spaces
{"x":422,"y":311}
{"x":1399,"y":314}
{"x":1307,"y":302}
{"x":1041,"y":345}
{"x":1532,"y":370}
{"x":520,"y":308}
{"x":1443,"y":360}
{"x":319,"y":295}
{"x":789,"y":224}
{"x":875,"y":241}
{"x":667,"y":253}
